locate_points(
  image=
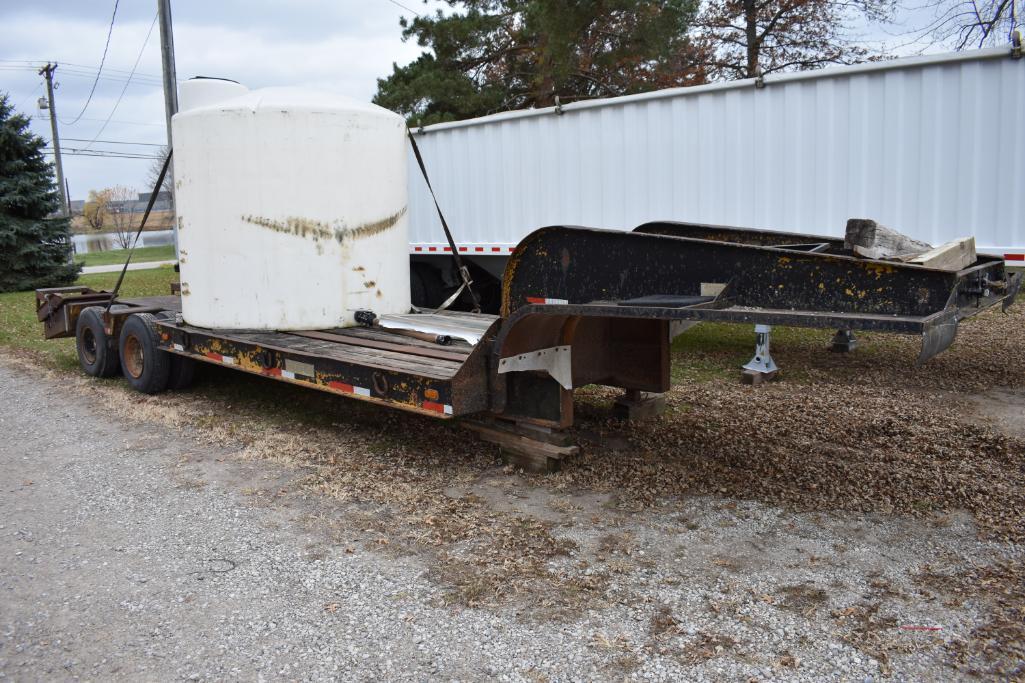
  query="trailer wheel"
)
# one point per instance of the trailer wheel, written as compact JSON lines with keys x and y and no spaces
{"x":145,"y":365}
{"x":425,"y":286}
{"x":181,"y":372}
{"x":97,"y":353}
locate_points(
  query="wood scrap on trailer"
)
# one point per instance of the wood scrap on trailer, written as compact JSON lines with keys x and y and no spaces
{"x":954,"y":255}
{"x":867,"y":238}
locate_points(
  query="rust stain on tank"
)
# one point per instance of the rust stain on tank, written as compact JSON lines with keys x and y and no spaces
{"x":302,"y":227}
{"x":369,"y":284}
{"x":372,"y":228}
{"x":318,"y":230}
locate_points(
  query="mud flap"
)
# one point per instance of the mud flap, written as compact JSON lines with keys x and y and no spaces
{"x":936,"y":339}
{"x":1012,"y":291}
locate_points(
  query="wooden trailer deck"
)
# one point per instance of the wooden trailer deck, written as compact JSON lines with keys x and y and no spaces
{"x":373,"y":364}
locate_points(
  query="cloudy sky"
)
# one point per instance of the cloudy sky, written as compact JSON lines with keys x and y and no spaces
{"x":341,"y":45}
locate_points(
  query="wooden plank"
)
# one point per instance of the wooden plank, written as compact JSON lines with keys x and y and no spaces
{"x":529,"y":453}
{"x":379,"y":359}
{"x":867,"y":238}
{"x":954,"y":255}
{"x":409,"y":349}
{"x":457,"y":346}
{"x":505,"y":438}
{"x":353,"y":354}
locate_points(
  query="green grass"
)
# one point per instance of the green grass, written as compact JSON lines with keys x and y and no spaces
{"x":117,"y":256}
{"x":21,"y":331}
{"x":714,"y":350}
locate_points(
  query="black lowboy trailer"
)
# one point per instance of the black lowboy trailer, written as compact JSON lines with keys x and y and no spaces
{"x":579,"y":306}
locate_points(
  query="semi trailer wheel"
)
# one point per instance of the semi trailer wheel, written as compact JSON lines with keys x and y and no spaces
{"x":97,"y":353}
{"x":425,"y":286}
{"x":146,"y":366}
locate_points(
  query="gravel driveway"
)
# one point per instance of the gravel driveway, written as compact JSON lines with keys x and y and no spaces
{"x":144,"y":552}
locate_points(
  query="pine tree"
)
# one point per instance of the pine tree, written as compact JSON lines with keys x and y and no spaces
{"x":494,"y":55}
{"x":34,"y":249}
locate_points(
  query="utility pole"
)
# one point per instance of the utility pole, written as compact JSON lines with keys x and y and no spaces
{"x":170,"y":89}
{"x":47,"y":71}
{"x":167,"y":61}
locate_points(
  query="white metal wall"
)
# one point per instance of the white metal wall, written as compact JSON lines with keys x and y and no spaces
{"x":933,"y":146}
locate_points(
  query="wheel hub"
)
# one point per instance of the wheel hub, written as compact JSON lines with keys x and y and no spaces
{"x":134,"y":358}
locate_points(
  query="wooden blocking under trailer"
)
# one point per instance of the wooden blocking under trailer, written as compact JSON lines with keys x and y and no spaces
{"x":532,"y":448}
{"x":639,"y":405}
{"x":755,"y":378}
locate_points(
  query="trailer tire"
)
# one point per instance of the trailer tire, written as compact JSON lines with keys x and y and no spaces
{"x":426,"y":289}
{"x":181,"y":372}
{"x":144,"y":364}
{"x":97,"y":353}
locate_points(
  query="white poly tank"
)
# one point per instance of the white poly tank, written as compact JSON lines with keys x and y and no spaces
{"x":291,"y":208}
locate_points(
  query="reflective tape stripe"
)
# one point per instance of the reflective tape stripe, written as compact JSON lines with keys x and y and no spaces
{"x":349,"y":389}
{"x":227,"y":360}
{"x":438,"y":407}
{"x":477,"y":248}
{"x":543,"y":300}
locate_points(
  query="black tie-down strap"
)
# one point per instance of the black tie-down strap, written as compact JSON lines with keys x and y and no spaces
{"x":149,"y":207}
{"x":464,"y":273}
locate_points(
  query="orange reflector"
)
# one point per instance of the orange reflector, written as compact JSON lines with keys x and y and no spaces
{"x":431,"y":394}
{"x":165,"y":336}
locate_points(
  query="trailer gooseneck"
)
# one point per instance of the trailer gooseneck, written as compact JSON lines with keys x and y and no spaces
{"x":579,"y":306}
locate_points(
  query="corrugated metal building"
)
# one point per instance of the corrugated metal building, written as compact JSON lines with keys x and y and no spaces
{"x":932,"y":146}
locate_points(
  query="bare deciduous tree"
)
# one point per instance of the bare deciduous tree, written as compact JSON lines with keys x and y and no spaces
{"x":965,"y":24}
{"x":122,"y":219}
{"x":748,"y":38}
{"x":153,"y":174}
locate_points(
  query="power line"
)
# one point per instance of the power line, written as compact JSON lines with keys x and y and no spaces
{"x":32,"y":64}
{"x":116,"y":142}
{"x":124,"y":89}
{"x":21,"y":104}
{"x":127,"y":123}
{"x":78,"y":152}
{"x":103,"y":59}
{"x":399,"y":4}
{"x":112,"y":79}
{"x":82,"y":73}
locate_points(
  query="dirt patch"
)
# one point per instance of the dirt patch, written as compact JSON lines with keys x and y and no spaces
{"x":1002,"y":409}
{"x":803,"y":599}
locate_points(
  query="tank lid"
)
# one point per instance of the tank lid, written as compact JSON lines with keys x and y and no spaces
{"x":202,"y":91}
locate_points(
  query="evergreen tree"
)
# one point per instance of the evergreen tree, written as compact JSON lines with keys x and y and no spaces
{"x":34,"y":249}
{"x":497,"y":55}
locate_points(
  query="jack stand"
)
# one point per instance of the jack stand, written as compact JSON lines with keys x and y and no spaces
{"x":761,"y":367}
{"x":844,"y":342}
{"x":639,"y":405}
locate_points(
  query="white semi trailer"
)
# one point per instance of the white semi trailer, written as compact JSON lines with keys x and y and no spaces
{"x":932,"y":146}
